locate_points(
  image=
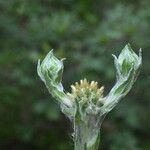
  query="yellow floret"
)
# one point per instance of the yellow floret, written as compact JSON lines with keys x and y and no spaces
{"x":89,"y":90}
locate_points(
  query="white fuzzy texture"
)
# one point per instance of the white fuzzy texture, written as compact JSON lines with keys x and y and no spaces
{"x":86,"y":114}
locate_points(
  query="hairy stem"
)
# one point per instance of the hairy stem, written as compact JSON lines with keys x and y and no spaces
{"x":86,"y":134}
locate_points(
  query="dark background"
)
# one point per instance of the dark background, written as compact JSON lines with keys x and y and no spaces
{"x":86,"y":32}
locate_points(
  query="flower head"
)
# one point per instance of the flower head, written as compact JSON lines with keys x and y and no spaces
{"x":87,"y":91}
{"x":51,"y":68}
{"x":127,"y":61}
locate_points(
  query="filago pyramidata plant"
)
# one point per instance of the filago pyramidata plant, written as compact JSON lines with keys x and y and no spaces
{"x":85,"y":106}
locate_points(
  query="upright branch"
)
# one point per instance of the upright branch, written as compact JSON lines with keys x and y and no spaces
{"x":128,"y":66}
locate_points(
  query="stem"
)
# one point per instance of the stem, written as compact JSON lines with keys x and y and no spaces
{"x":86,"y":134}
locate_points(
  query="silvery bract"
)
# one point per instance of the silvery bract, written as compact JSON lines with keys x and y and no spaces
{"x":85,"y":105}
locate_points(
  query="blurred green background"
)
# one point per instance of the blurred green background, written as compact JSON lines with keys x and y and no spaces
{"x":86,"y":32}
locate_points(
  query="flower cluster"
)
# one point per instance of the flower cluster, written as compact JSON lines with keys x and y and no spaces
{"x":85,"y":105}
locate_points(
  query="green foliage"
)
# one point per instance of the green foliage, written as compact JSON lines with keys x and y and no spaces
{"x":86,"y":33}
